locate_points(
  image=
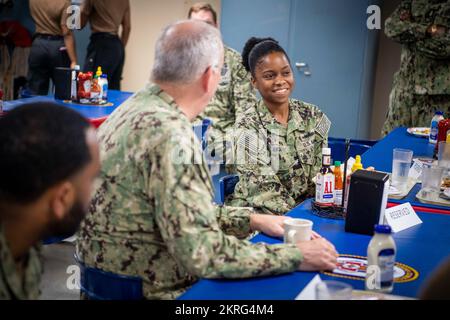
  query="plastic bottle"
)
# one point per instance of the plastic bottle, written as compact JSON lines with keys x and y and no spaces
{"x":74,"y":84}
{"x":98,"y":76}
{"x":325,"y":181}
{"x":444,"y":127}
{"x":96,"y":89}
{"x":434,"y":129}
{"x":84,"y":87}
{"x":104,"y":86}
{"x":356,"y":166}
{"x":338,"y":183}
{"x":381,"y":260}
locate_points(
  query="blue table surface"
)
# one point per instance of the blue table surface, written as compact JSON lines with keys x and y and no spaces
{"x":380,"y":156}
{"x":422,"y":247}
{"x":115,"y":97}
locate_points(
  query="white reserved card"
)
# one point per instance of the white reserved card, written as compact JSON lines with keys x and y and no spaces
{"x":402,"y":217}
{"x":416,"y":169}
{"x":309,"y":292}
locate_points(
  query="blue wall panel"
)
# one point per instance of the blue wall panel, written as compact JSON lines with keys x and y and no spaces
{"x":331,"y":37}
{"x":242,"y":19}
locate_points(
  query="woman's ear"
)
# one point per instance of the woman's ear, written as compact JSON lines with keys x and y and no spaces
{"x":62,"y":200}
{"x":253,"y":80}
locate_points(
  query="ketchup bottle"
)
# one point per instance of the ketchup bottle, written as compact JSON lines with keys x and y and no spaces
{"x":444,"y":126}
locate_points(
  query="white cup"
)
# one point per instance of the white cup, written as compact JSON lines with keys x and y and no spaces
{"x":296,"y":230}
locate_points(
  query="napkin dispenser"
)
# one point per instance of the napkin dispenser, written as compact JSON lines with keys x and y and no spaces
{"x":367,"y":201}
{"x":63,"y":83}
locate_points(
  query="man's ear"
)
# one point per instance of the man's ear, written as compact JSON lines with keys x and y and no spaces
{"x":207,"y":79}
{"x":62,"y":199}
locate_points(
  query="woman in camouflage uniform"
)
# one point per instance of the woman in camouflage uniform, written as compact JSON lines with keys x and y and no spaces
{"x":279,"y":140}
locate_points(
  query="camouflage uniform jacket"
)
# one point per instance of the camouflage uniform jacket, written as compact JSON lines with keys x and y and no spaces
{"x":276,"y":164}
{"x":12,"y":285}
{"x":152,"y":214}
{"x":234,"y":93}
{"x":425,"y":61}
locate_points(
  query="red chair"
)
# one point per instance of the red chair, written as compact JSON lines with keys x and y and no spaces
{"x":98,"y":121}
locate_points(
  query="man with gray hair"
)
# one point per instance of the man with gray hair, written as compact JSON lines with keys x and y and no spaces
{"x":152,"y":214}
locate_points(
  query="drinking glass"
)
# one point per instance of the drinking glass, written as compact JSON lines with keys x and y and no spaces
{"x":333,"y":290}
{"x":401,"y":163}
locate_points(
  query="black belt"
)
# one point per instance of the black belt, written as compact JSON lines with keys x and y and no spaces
{"x":104,"y":35}
{"x":47,"y":36}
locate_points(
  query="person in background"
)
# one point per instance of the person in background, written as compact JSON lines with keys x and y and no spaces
{"x":49,"y":159}
{"x":422,"y":85}
{"x":106,"y":48}
{"x":279,"y":140}
{"x":53,"y":43}
{"x":234,"y":93}
{"x":152,"y":214}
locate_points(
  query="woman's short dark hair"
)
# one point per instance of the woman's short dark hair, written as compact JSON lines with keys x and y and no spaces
{"x":257,"y":48}
{"x":41,"y":144}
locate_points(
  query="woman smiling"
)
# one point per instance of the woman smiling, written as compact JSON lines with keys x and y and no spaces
{"x":279,"y":140}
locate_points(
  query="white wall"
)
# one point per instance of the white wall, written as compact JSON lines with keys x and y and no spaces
{"x":148,"y":18}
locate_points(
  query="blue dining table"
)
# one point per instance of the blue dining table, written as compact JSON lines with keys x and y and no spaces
{"x":421,"y":248}
{"x":115,"y":99}
{"x":381,"y":154}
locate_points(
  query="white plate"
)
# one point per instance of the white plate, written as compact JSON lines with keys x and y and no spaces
{"x":447,"y":192}
{"x":422,"y":132}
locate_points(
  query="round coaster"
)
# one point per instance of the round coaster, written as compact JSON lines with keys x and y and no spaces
{"x":354,"y":268}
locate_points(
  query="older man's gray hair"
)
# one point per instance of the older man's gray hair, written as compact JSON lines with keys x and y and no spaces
{"x":184,"y":50}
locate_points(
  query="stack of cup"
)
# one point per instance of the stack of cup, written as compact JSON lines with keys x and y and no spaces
{"x":431,"y":181}
{"x":444,"y":156}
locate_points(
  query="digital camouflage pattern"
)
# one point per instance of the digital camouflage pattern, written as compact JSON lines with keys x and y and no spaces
{"x":152,"y":214}
{"x":234,"y":93}
{"x":13,"y":285}
{"x":422,"y":85}
{"x":276,"y":164}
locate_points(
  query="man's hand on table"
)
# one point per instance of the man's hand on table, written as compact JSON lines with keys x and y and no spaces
{"x":318,"y":255}
{"x":268,"y":224}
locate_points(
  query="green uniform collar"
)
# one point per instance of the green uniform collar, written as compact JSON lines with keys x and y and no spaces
{"x":273,"y":126}
{"x":16,"y":287}
{"x":155,"y":90}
